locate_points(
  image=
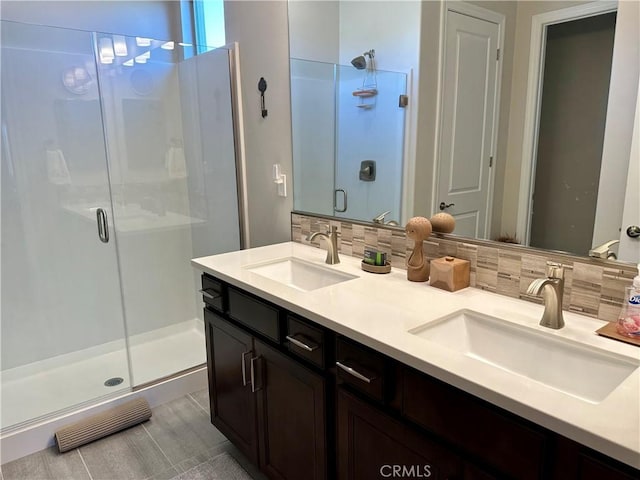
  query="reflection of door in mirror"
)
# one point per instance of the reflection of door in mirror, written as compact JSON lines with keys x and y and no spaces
{"x":470,"y":99}
{"x":630,"y":244}
{"x":577,"y":70}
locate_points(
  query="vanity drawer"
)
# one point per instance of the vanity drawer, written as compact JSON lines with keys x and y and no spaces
{"x":361,"y":368}
{"x":255,"y":314}
{"x":483,"y":431}
{"x":212,"y":293}
{"x":306,"y":341}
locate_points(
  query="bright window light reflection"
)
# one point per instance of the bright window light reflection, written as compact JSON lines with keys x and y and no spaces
{"x":106,"y":50}
{"x":120,"y":45}
{"x":143,"y":42}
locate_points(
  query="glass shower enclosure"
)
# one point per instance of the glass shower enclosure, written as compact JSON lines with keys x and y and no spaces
{"x":348,"y":130}
{"x":118,"y":167}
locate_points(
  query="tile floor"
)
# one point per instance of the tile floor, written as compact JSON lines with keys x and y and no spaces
{"x":178,"y":437}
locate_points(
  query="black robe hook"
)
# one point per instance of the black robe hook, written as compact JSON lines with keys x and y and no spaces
{"x":262,"y":86}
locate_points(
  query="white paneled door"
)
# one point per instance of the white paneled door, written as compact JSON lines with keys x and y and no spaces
{"x":468,"y":122}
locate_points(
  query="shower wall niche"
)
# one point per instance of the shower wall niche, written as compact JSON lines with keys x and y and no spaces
{"x":118,"y":167}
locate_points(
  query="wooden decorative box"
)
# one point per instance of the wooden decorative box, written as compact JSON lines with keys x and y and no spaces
{"x":449,"y":273}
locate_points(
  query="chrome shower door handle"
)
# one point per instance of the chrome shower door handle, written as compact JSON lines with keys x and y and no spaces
{"x":103,"y":225}
{"x":335,"y":200}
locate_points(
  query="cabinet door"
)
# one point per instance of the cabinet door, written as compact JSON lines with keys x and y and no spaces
{"x":372,"y":445}
{"x":291,"y":417}
{"x":233,"y":408}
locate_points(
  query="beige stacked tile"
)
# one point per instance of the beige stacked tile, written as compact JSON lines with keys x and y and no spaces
{"x":592,"y":289}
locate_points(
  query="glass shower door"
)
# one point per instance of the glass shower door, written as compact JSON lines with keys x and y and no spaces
{"x":370,"y":142}
{"x":170,"y":143}
{"x":348,"y":145}
{"x":62,"y":326}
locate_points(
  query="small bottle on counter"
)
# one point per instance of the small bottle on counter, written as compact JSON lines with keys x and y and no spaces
{"x":629,"y":319}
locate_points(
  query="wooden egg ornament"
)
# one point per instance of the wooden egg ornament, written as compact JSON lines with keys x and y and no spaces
{"x":443,"y":222}
{"x":418,"y":229}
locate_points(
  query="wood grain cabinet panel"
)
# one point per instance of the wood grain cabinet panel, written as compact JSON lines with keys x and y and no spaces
{"x":291,"y":417}
{"x":485,"y":433}
{"x":233,"y":405}
{"x":372,"y":445}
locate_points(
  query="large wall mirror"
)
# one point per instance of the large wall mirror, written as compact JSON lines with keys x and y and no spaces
{"x":520,"y":117}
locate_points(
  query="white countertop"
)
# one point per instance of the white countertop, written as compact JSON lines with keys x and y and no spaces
{"x":379,"y":310}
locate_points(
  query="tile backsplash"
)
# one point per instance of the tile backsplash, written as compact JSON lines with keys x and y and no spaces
{"x":591,"y":288}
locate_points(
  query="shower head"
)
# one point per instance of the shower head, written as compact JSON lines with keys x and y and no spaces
{"x":359,"y":62}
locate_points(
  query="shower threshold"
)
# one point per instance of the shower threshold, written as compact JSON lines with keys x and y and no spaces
{"x":67,"y":382}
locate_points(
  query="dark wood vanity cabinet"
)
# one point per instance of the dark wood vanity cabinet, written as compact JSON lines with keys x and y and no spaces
{"x":373,"y":445}
{"x":268,"y":404}
{"x":291,"y":416}
{"x":232,"y":403}
{"x":305,"y":403}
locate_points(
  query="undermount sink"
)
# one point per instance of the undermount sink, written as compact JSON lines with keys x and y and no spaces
{"x":562,"y":364}
{"x":299,"y":274}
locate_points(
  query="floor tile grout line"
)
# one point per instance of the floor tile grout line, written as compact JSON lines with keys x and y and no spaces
{"x":198,"y":403}
{"x":85,"y":464}
{"x":157,"y":445}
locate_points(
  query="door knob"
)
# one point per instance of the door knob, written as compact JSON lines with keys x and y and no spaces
{"x":633,"y":231}
{"x":446,"y":205}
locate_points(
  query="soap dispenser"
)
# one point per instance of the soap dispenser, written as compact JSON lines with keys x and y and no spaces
{"x":629,"y":319}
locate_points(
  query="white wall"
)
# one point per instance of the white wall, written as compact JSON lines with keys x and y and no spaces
{"x":261,"y":29}
{"x":314,"y":30}
{"x":618,"y":133}
{"x":427,"y":114}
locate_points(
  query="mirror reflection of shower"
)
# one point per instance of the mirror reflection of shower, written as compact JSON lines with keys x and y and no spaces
{"x":369,"y":81}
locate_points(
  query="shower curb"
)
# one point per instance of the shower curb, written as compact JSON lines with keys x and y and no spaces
{"x":37,"y":437}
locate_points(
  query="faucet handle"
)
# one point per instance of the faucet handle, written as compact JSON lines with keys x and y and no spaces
{"x":555,"y":270}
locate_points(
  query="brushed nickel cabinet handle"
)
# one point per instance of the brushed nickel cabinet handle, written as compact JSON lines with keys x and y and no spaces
{"x":205,"y":292}
{"x":253,"y":374}
{"x":244,"y":368}
{"x":302,"y":345}
{"x":355,"y":373}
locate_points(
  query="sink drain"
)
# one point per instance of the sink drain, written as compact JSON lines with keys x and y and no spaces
{"x":112,"y":382}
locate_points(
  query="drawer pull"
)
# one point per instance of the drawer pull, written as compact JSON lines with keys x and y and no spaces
{"x":355,"y":373}
{"x":302,"y":345}
{"x":205,"y":292}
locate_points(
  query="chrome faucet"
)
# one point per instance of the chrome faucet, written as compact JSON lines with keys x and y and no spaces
{"x":380,"y":218}
{"x":332,"y":244}
{"x":551,"y":289}
{"x":604,"y":250}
